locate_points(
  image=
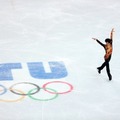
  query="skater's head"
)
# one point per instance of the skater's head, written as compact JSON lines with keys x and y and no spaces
{"x":108,"y":40}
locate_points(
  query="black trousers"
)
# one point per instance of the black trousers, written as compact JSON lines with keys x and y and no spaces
{"x":106,"y":63}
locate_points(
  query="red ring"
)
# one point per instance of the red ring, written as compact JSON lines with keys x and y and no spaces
{"x":71,"y":87}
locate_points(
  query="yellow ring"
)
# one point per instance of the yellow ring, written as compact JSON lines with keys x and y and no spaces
{"x":19,"y":99}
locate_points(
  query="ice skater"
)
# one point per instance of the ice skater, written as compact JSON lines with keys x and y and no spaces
{"x":108,"y":53}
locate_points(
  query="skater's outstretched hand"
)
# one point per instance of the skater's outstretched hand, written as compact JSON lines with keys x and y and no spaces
{"x":111,"y":33}
{"x":113,"y":30}
{"x":94,"y":39}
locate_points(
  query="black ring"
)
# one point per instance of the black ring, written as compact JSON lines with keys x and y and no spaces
{"x":12,"y":90}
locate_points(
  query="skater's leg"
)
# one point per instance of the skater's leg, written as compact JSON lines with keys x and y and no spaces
{"x":108,"y":71}
{"x":101,"y":67}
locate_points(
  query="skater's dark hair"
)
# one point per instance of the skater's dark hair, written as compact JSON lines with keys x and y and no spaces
{"x":108,"y":40}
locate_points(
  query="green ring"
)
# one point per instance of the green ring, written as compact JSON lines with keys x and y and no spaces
{"x":55,"y":95}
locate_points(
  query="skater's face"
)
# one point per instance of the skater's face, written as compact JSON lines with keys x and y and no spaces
{"x":107,"y":42}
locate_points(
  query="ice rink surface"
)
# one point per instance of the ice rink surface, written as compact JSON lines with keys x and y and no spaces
{"x":48,"y":60}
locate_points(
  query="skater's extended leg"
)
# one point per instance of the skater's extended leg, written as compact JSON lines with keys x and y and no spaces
{"x":101,"y":67}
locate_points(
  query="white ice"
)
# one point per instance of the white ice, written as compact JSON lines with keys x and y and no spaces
{"x":62,"y":30}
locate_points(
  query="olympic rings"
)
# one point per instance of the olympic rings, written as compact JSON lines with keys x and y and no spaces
{"x":56,"y":95}
{"x":34,"y":90}
{"x":4,"y":90}
{"x":38,"y":88}
{"x":71,"y":87}
{"x":19,"y":99}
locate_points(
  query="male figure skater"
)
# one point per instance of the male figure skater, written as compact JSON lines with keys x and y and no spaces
{"x":108,"y":53}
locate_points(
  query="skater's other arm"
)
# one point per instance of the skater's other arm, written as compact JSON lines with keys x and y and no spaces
{"x":111,"y":34}
{"x":99,"y":42}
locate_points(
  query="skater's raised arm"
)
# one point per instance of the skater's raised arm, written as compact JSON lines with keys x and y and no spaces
{"x":111,"y":34}
{"x":99,"y":42}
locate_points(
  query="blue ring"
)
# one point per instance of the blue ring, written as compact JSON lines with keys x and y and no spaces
{"x":4,"y":90}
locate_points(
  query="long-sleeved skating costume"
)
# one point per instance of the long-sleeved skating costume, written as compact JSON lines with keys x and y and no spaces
{"x":108,"y":52}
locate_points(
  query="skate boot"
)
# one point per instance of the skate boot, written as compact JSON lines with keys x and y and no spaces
{"x":110,"y":77}
{"x":99,"y":71}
